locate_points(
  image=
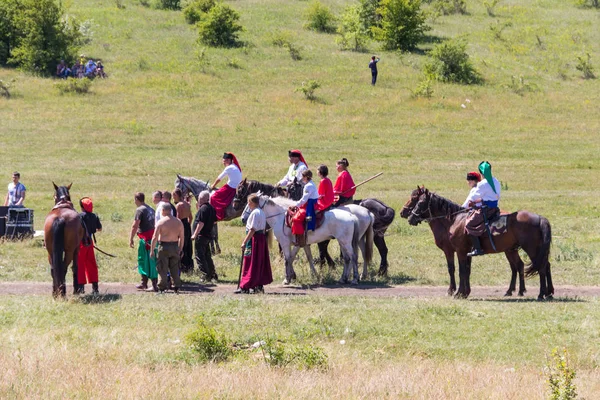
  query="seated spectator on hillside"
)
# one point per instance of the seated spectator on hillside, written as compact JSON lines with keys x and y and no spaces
{"x":62,"y":71}
{"x":77,"y":70}
{"x":100,"y":70}
{"x":90,"y":69}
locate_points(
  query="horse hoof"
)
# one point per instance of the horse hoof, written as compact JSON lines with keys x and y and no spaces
{"x":549,"y":297}
{"x":286,"y":282}
{"x":508,"y":294}
{"x":521,"y":294}
{"x":540,"y":298}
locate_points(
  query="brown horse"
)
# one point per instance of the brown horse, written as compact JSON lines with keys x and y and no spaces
{"x":525,"y":230}
{"x":440,"y":228}
{"x":63,"y":232}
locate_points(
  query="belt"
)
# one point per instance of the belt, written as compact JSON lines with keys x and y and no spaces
{"x":261,"y":232}
{"x":168,"y":243}
{"x":491,"y":204}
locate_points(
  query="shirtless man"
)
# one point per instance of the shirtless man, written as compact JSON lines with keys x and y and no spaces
{"x":184,"y":213}
{"x":169,"y":235}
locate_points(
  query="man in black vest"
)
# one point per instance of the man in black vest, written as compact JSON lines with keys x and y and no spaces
{"x":202,"y":228}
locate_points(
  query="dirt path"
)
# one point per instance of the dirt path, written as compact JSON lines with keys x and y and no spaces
{"x":477,"y":292}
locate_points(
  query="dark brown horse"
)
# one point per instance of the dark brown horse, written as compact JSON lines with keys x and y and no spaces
{"x":63,"y":232}
{"x":440,"y":228}
{"x":525,"y":230}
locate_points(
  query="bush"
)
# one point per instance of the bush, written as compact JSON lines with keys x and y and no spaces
{"x":5,"y":89}
{"x":402,"y":24}
{"x":369,"y":15}
{"x":168,"y":4}
{"x":72,"y":85}
{"x":276,"y":354}
{"x":284,"y":39}
{"x":220,"y":27}
{"x":35,"y":35}
{"x":196,"y":9}
{"x":449,"y":62}
{"x":207,"y":344}
{"x":561,"y":376}
{"x":584,"y":64}
{"x":447,"y":7}
{"x":490,"y":7}
{"x":320,"y":18}
{"x":353,"y":34}
{"x":423,"y":89}
{"x":308,"y":89}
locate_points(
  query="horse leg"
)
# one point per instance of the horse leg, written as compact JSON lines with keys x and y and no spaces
{"x":513,"y":262}
{"x":468,"y":275}
{"x":324,"y":254}
{"x":346,"y":261}
{"x":379,"y":241}
{"x":521,"y":270}
{"x":451,"y":269}
{"x":63,"y":278}
{"x":550,"y":289}
{"x":289,"y":261}
{"x":214,"y":243}
{"x":75,"y":269}
{"x":308,"y":253}
{"x":462,"y":275}
{"x":365,"y":273}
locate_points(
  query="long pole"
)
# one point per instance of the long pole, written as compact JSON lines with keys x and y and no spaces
{"x":362,"y":183}
{"x":241,"y":266}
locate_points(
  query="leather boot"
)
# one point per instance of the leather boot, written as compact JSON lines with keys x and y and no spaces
{"x":154,"y":287}
{"x":476,"y":247}
{"x":95,"y":288}
{"x":144,"y":284}
{"x":301,"y":240}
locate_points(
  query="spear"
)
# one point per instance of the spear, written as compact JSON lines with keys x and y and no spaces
{"x":362,"y":183}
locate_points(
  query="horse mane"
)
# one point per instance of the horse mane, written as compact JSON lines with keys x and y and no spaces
{"x":443,"y":205}
{"x":281,"y":202}
{"x":265,"y":188}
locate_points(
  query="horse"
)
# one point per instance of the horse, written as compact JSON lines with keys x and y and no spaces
{"x":365,"y":218}
{"x":337,"y":224}
{"x":194,"y":186}
{"x":440,"y":228}
{"x":526,"y":230}
{"x":63,"y":232}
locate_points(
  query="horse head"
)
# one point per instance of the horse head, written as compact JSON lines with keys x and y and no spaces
{"x":412,"y":201}
{"x":422,"y":210}
{"x":241,"y":195}
{"x":61,"y":193}
{"x":295,"y":190}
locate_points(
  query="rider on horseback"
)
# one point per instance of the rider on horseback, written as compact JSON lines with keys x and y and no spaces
{"x":222,"y":198}
{"x":306,"y":207}
{"x":483,"y":198}
{"x":295,"y":170}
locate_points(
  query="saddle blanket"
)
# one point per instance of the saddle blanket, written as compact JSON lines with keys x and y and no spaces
{"x":499,"y":225}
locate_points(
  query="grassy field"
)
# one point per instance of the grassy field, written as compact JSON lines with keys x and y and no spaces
{"x":165,"y":110}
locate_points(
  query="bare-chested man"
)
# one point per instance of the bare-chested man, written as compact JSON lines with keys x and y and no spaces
{"x":169,"y":235}
{"x":184,"y":213}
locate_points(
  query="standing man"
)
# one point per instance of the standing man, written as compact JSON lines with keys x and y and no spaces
{"x":87,"y":271}
{"x":222,"y":198}
{"x":166,"y":198}
{"x":298,"y":165}
{"x":483,"y":199}
{"x":373,"y":66}
{"x":16,"y":192}
{"x":143,"y":225}
{"x":169,"y":236}
{"x":203,"y":225}
{"x":184,"y":213}
{"x":157,"y":199}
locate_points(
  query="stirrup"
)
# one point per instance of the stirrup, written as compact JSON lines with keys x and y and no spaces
{"x":475,"y":253}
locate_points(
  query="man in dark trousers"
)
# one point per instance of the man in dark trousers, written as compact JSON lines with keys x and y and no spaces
{"x":202,"y":235}
{"x":373,"y":66}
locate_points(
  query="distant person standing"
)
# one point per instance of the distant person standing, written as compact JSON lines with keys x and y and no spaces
{"x":169,"y":236}
{"x":16,"y":192}
{"x":373,"y":66}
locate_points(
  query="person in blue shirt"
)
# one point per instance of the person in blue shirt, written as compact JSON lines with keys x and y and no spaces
{"x":373,"y":66}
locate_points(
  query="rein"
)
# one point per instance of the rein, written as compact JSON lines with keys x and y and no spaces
{"x":431,"y":218}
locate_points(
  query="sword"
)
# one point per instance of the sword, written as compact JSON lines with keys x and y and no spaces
{"x":487,"y":228}
{"x":103,"y":252}
{"x":362,"y":183}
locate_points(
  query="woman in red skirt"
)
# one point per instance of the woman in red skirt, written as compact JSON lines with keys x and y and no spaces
{"x":222,"y":198}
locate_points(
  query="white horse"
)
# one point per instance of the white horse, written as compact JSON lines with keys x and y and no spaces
{"x":338,"y":224}
{"x":365,"y":233}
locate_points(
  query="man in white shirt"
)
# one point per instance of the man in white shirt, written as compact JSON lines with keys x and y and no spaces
{"x":16,"y":192}
{"x":483,"y":199}
{"x":298,"y":165}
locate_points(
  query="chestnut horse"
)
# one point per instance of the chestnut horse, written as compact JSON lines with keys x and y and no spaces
{"x":525,"y":230}
{"x":63,"y":232}
{"x":440,"y":228}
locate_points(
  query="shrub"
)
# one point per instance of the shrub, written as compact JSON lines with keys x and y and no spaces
{"x":207,"y":344}
{"x":284,"y":39}
{"x":520,"y":86}
{"x":490,"y":7}
{"x":369,"y":15}
{"x":353,"y":34}
{"x":168,"y":4}
{"x":447,"y":7}
{"x":196,"y":9}
{"x":320,"y":18}
{"x":72,"y":85}
{"x":402,"y":24}
{"x":561,"y":376}
{"x":5,"y":89}
{"x":423,"y":89}
{"x":220,"y":27}
{"x":308,"y":89}
{"x":276,"y":354}
{"x":34,"y":35}
{"x":584,"y":64}
{"x":449,"y":62}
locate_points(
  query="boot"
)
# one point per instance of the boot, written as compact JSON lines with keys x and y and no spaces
{"x":144,"y":284}
{"x":79,"y":289}
{"x":95,"y":288}
{"x":300,"y":240}
{"x":154,"y":287}
{"x":476,"y":247}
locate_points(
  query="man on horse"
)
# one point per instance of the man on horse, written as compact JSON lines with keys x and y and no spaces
{"x":483,"y":200}
{"x":298,"y":165}
{"x":222,"y":198}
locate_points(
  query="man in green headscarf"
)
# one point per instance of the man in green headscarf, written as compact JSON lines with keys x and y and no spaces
{"x":484,"y":198}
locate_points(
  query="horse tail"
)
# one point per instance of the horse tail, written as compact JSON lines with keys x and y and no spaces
{"x":369,"y":235}
{"x":355,"y":237}
{"x":58,"y":246}
{"x":270,"y":238}
{"x":541,"y":258}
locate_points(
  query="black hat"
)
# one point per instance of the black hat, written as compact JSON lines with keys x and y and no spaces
{"x":228,"y":156}
{"x":294,"y":154}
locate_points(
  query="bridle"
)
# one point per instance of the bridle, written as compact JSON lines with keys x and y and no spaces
{"x":431,"y":217}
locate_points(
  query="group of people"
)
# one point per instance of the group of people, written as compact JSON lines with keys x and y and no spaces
{"x":81,"y":69}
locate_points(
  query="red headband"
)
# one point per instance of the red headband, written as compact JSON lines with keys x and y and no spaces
{"x":86,"y":204}
{"x":235,"y":161}
{"x":301,"y":156}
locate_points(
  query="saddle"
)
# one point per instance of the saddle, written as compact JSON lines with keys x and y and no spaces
{"x":289,"y":215}
{"x":63,"y":204}
{"x":498,"y":224}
